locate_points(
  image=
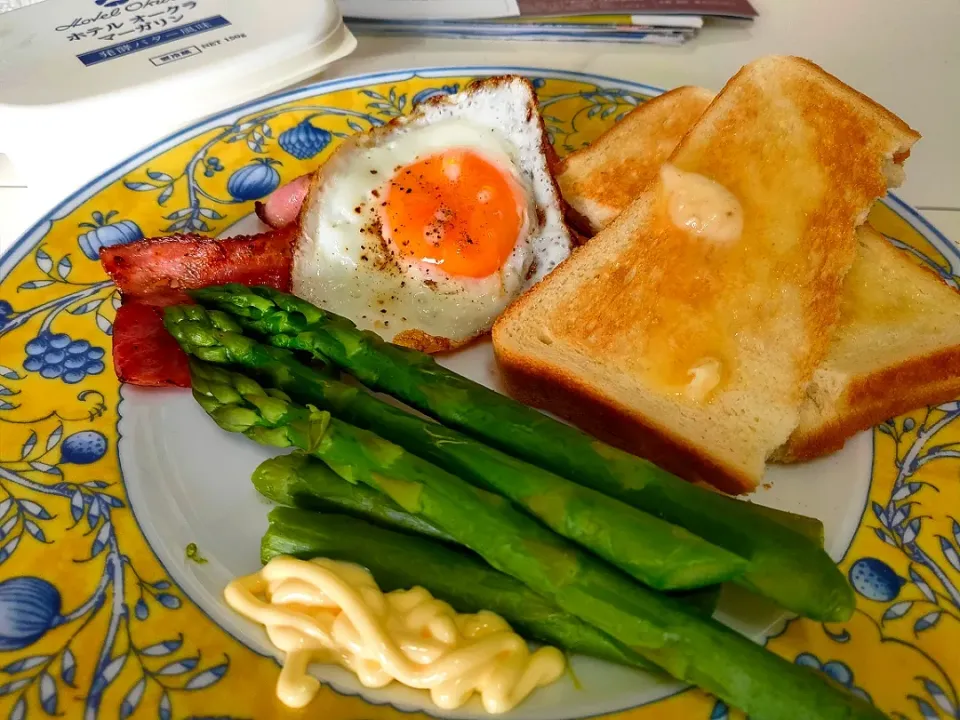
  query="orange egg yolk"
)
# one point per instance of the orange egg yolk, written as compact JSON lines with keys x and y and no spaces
{"x":456,"y":210}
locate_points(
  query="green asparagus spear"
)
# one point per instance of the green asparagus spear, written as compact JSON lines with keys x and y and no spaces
{"x":304,"y":482}
{"x":300,"y":482}
{"x":784,"y":565}
{"x":399,"y":561}
{"x":662,"y":555}
{"x":397,"y":371}
{"x":690,"y":648}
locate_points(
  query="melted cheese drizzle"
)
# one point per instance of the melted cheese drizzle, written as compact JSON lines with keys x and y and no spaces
{"x":702,"y":206}
{"x":327,"y":611}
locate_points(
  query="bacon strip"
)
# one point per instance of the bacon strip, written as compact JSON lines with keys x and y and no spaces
{"x":156,"y":271}
{"x":144,"y":353}
{"x":282,"y":206}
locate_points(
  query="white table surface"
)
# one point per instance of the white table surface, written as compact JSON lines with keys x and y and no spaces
{"x":903,"y":54}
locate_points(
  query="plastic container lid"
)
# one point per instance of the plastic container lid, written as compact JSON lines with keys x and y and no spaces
{"x":86,"y":83}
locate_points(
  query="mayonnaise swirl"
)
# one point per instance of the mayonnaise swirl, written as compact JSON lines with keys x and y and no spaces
{"x":333,"y":612}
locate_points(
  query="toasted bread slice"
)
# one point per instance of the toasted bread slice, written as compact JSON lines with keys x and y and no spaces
{"x":680,"y":339}
{"x":601,"y":180}
{"x":897,"y":345}
{"x":896,"y":348}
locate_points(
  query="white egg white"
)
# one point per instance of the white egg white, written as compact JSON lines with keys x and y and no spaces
{"x":344,"y":263}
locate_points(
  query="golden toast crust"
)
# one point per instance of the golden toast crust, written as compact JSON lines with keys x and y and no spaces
{"x":553,"y":389}
{"x":599,"y":181}
{"x":910,"y":378}
{"x":872,"y":399}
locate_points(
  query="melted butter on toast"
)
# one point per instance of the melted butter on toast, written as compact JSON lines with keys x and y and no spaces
{"x":701,"y":206}
{"x":704,"y":378}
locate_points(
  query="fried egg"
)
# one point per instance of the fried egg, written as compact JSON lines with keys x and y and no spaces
{"x":425,"y":229}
